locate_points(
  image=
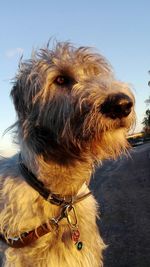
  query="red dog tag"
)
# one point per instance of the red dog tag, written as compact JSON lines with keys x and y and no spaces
{"x":75,"y":235}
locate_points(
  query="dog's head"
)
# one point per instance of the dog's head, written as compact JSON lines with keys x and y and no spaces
{"x":69,"y":105}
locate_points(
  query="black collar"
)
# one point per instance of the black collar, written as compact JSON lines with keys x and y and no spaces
{"x":31,"y":179}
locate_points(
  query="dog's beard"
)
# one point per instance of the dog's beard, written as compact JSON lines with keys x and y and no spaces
{"x":52,"y":145}
{"x":76,"y":137}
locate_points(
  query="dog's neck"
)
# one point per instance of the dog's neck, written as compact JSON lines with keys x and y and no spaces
{"x":60,"y":179}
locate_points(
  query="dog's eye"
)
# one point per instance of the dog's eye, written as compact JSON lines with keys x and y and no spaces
{"x":61,"y":80}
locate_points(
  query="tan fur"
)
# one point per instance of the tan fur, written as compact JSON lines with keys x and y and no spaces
{"x":65,"y":161}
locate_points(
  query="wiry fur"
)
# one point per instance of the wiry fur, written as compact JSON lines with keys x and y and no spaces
{"x":62,"y":134}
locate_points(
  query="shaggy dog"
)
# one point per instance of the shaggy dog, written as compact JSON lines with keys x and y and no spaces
{"x":72,"y":114}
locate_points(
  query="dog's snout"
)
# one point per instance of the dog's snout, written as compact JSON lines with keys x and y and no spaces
{"x":117,"y":106}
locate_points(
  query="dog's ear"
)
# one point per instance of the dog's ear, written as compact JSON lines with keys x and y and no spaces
{"x":18,"y":99}
{"x":22,"y":92}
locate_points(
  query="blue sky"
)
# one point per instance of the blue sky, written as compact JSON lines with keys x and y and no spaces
{"x":118,"y":29}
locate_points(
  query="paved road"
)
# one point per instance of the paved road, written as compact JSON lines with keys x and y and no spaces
{"x":122,"y":188}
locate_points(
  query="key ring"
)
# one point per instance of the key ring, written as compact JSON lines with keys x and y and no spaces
{"x":72,"y":222}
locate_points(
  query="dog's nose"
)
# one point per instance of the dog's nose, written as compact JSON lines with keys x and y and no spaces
{"x":117,"y":106}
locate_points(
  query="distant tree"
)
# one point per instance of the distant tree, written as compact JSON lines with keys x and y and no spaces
{"x":146,"y":121}
{"x":149,"y":81}
{"x":147,"y":101}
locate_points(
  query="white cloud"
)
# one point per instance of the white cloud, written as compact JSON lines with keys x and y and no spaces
{"x":7,"y":148}
{"x":11,"y":53}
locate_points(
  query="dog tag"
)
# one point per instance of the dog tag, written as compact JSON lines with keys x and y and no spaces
{"x":73,"y":224}
{"x":75,"y":235}
{"x":79,"y":245}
